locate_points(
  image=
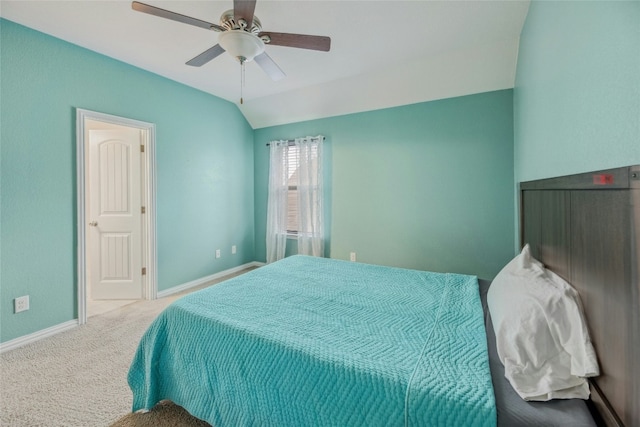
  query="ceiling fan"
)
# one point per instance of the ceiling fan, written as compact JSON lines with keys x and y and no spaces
{"x":241,"y":35}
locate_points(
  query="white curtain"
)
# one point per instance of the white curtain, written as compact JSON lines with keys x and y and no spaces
{"x":310,"y":196}
{"x":295,"y":202}
{"x":277,"y":201}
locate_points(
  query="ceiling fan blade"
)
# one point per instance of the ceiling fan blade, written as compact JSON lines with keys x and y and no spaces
{"x":301,"y":41}
{"x":243,"y":9}
{"x":206,"y":56}
{"x":269,"y":66}
{"x":156,"y":11}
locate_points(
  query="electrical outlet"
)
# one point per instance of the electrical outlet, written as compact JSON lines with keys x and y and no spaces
{"x":233,"y":249}
{"x":21,"y":304}
{"x":217,"y":253}
{"x":352,"y":257}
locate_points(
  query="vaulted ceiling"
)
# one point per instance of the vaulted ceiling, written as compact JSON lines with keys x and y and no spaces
{"x":383,"y":53}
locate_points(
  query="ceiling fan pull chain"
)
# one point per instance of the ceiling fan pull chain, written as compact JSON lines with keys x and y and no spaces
{"x":241,"y":80}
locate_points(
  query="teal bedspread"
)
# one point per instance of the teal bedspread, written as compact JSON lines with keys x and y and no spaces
{"x":318,"y":342}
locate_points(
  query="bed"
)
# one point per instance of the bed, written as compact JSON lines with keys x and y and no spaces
{"x":313,"y":342}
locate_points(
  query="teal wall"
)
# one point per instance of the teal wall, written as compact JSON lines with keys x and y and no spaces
{"x":577,"y":91}
{"x":425,"y":186}
{"x":204,"y":172}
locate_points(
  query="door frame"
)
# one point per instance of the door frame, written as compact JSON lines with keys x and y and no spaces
{"x":149,"y":257}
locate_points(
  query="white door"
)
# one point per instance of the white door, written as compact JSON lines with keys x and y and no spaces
{"x":114,"y":214}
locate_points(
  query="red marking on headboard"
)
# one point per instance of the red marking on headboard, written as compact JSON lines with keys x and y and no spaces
{"x":603,"y":179}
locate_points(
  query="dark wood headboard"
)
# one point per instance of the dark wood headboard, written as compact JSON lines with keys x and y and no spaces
{"x":586,"y":228}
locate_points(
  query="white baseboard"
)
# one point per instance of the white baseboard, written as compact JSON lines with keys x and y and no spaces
{"x":37,"y":336}
{"x":44,"y":333}
{"x":203,"y":280}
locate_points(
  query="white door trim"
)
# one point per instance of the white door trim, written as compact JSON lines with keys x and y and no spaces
{"x":150,"y":290}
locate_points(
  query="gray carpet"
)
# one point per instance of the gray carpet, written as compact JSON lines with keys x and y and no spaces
{"x":78,"y":378}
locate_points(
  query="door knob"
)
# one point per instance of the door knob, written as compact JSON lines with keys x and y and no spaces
{"x":93,"y":223}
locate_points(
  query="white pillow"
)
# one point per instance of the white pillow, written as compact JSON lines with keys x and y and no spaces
{"x":541,"y":334}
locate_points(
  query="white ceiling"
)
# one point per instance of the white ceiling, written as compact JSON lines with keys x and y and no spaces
{"x":383,"y":53}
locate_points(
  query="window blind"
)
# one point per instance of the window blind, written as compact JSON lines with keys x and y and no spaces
{"x":292,"y":197}
{"x":292,"y":154}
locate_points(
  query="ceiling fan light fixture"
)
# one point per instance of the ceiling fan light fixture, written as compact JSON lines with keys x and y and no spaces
{"x":241,"y":45}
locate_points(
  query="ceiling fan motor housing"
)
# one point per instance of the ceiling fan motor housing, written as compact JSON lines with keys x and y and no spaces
{"x":228,"y":21}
